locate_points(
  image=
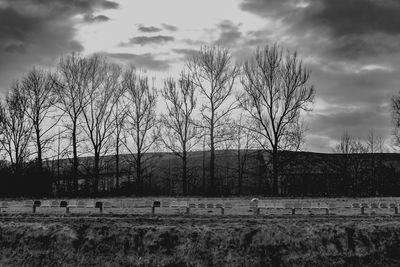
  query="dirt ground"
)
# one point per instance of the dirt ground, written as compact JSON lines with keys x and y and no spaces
{"x":83,"y":239}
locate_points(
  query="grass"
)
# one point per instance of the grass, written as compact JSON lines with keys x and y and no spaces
{"x":199,"y":241}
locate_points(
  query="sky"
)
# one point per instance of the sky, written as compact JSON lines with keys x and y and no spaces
{"x":351,"y":47}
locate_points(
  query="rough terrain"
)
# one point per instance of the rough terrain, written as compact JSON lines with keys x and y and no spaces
{"x":198,"y":240}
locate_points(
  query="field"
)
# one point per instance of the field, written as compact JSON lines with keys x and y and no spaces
{"x":134,"y":237}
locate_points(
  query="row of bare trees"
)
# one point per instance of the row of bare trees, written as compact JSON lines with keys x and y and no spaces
{"x":359,"y":159}
{"x":101,"y":108}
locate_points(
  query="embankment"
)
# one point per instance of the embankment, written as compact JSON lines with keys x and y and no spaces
{"x":198,"y":241}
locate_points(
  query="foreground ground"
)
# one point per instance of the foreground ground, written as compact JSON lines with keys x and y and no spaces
{"x":198,"y":240}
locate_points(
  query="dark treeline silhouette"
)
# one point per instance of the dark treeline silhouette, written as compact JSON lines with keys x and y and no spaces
{"x":91,"y":127}
{"x":31,"y":181}
{"x":302,"y":174}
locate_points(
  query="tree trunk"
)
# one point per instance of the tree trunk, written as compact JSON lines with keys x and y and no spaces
{"x":139,"y":189}
{"x":275,"y":171}
{"x":204,"y":167}
{"x":39,"y":150}
{"x":240,"y":172}
{"x":212,"y":189}
{"x":96,"y":172}
{"x":75,"y":159}
{"x":184,"y":173}
{"x":117,"y":165}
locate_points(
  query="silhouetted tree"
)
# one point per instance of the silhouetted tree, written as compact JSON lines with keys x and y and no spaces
{"x":179,"y":132}
{"x":375,"y":148}
{"x":119,"y":122}
{"x":71,"y":80}
{"x":214,"y":74}
{"x":37,"y":88}
{"x":141,"y":119}
{"x":396,"y":119}
{"x":276,"y":90}
{"x":351,"y":163}
{"x":101,"y":95}
{"x":244,"y":141}
{"x":16,"y":128}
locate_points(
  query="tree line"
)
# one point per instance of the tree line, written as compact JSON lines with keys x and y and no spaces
{"x":91,"y":107}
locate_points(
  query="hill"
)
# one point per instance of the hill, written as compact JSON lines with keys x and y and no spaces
{"x":247,"y":172}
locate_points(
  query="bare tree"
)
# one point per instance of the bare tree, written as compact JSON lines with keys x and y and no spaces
{"x":244,"y":141}
{"x":16,"y":128}
{"x":276,"y":90}
{"x":119,"y":122}
{"x":37,"y":87}
{"x":396,"y":119}
{"x":375,"y":147}
{"x":179,"y":131}
{"x":101,"y":95}
{"x":214,"y":74}
{"x":141,"y":119}
{"x":345,"y":144}
{"x":70,"y":83}
{"x":351,"y":163}
{"x":375,"y":143}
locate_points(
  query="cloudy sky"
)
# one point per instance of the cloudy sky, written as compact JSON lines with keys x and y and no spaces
{"x":351,"y":46}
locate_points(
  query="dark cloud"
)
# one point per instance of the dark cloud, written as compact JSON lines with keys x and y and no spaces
{"x":109,"y":5}
{"x":146,"y":61}
{"x":61,"y":8}
{"x":15,"y":48}
{"x":170,"y":27}
{"x":38,"y":32}
{"x":268,"y":8}
{"x":356,"y":28}
{"x":371,"y":45}
{"x":148,"y":29}
{"x":351,"y":97}
{"x":145,"y":40}
{"x":358,"y":17}
{"x":354,"y":84}
{"x":353,"y":50}
{"x":99,"y":18}
{"x":229,"y":35}
{"x":356,"y":120}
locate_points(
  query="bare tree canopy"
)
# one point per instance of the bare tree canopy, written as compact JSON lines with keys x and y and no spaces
{"x":214,"y":74}
{"x":275,"y":91}
{"x":120,"y":115}
{"x":350,"y":165}
{"x":102,"y":92}
{"x":16,"y":128}
{"x":70,"y":81}
{"x":244,"y":141}
{"x":396,"y":119}
{"x":37,"y":87}
{"x":141,"y":118}
{"x":178,"y":131}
